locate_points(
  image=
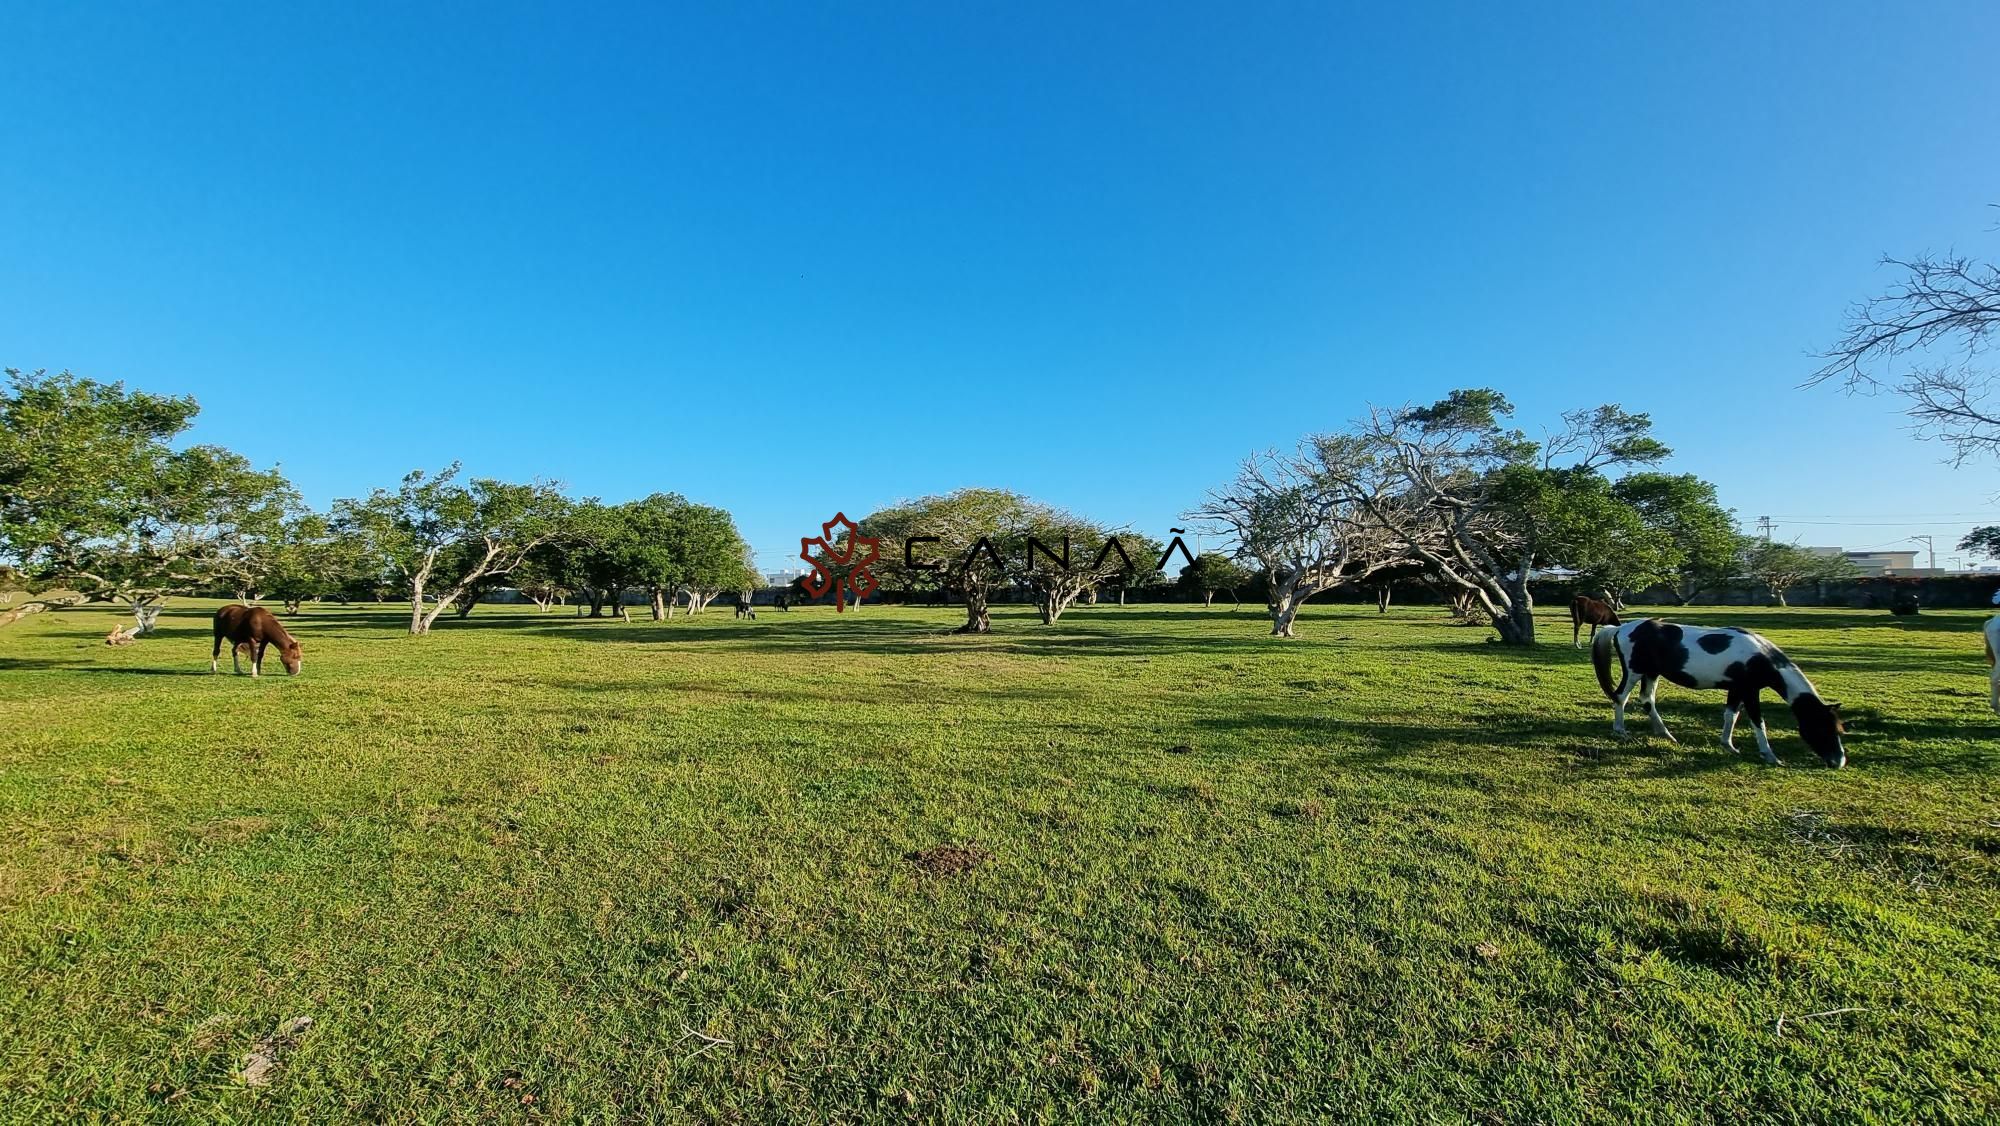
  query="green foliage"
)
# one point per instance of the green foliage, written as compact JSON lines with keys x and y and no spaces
{"x":1983,"y":542}
{"x":1395,"y":875}
{"x":309,"y":559}
{"x":1210,"y":574}
{"x":1697,"y":535}
{"x":93,"y":496}
{"x":78,"y":460}
{"x":434,"y":527}
{"x":1481,"y":508}
{"x":1781,"y":566}
{"x":959,"y":520}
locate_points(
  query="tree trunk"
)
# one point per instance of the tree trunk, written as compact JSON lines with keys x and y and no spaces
{"x":417,"y":605}
{"x":1208,"y":599}
{"x":1516,"y":626}
{"x":1052,"y":605}
{"x":426,"y":621}
{"x":1284,"y":604}
{"x":1382,"y":599}
{"x":659,"y":604}
{"x":1121,"y":596}
{"x":977,"y":620}
{"x":1779,"y":594}
{"x":145,"y":614}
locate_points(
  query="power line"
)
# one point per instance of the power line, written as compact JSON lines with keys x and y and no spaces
{"x":1839,"y":515}
{"x":1868,"y":524}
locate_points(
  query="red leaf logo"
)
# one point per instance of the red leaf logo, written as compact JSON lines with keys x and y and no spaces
{"x":840,"y":565}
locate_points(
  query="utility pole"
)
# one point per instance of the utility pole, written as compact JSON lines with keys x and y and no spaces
{"x":1931,"y":543}
{"x":1764,"y":525}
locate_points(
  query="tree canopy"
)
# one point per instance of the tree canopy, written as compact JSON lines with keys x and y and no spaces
{"x":94,"y":496}
{"x":482,"y":529}
{"x":1481,"y":507}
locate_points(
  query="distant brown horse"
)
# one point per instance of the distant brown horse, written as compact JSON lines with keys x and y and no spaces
{"x":1587,"y":611}
{"x":252,"y":628}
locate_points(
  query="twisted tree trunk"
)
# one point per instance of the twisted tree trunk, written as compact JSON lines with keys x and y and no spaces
{"x":1516,"y":624}
{"x":977,"y":620}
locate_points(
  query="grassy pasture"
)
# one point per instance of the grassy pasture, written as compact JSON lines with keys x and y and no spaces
{"x":531,"y":866}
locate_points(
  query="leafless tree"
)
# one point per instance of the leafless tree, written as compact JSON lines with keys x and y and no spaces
{"x":1923,"y":339}
{"x":1307,"y":537}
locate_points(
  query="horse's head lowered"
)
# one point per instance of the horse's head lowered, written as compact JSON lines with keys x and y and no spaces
{"x":288,"y":653}
{"x":1820,"y":726}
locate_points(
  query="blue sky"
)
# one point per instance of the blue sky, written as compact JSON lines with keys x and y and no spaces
{"x":789,"y":259}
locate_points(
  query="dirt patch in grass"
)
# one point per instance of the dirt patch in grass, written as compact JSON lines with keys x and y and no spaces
{"x":948,"y":860}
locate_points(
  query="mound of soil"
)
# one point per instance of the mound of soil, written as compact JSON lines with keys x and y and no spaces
{"x":948,"y":860}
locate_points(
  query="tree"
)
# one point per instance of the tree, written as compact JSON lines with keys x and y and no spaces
{"x":1481,"y":507}
{"x":595,"y":556}
{"x":1782,"y":566}
{"x":1210,"y":574}
{"x":461,"y":535}
{"x":1982,"y":542}
{"x":1683,"y":512}
{"x":93,"y":497}
{"x":706,"y":554}
{"x":1145,"y":553}
{"x":1937,"y":316}
{"x":1308,"y":531}
{"x":308,"y":558}
{"x":541,"y":577}
{"x":1066,"y":556}
{"x":965,"y":539}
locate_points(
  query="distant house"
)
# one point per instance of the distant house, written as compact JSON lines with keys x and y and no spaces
{"x":1876,"y":564}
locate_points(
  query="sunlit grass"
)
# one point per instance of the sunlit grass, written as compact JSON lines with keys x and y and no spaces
{"x":582,"y":868}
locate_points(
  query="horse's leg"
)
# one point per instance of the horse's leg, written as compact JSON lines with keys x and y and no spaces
{"x":1575,"y":628}
{"x":257,"y":658}
{"x":1618,"y":703}
{"x":1755,"y":711}
{"x":215,"y":658}
{"x":1646,"y":693}
{"x":1729,"y":711}
{"x":236,"y":656}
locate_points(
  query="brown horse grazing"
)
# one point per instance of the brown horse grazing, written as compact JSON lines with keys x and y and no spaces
{"x":1585,"y":610}
{"x":252,"y":628}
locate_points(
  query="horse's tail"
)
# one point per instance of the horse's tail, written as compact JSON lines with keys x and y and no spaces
{"x":1601,"y":649}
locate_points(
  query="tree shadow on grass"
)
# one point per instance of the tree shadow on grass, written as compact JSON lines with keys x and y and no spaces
{"x":1403,"y":746}
{"x":1768,"y":620}
{"x":902,"y":636}
{"x":52,"y":664}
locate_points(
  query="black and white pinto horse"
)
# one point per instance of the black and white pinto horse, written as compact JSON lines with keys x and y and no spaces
{"x":1736,"y":661}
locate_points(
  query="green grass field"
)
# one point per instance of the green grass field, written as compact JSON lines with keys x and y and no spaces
{"x":537,"y":866}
